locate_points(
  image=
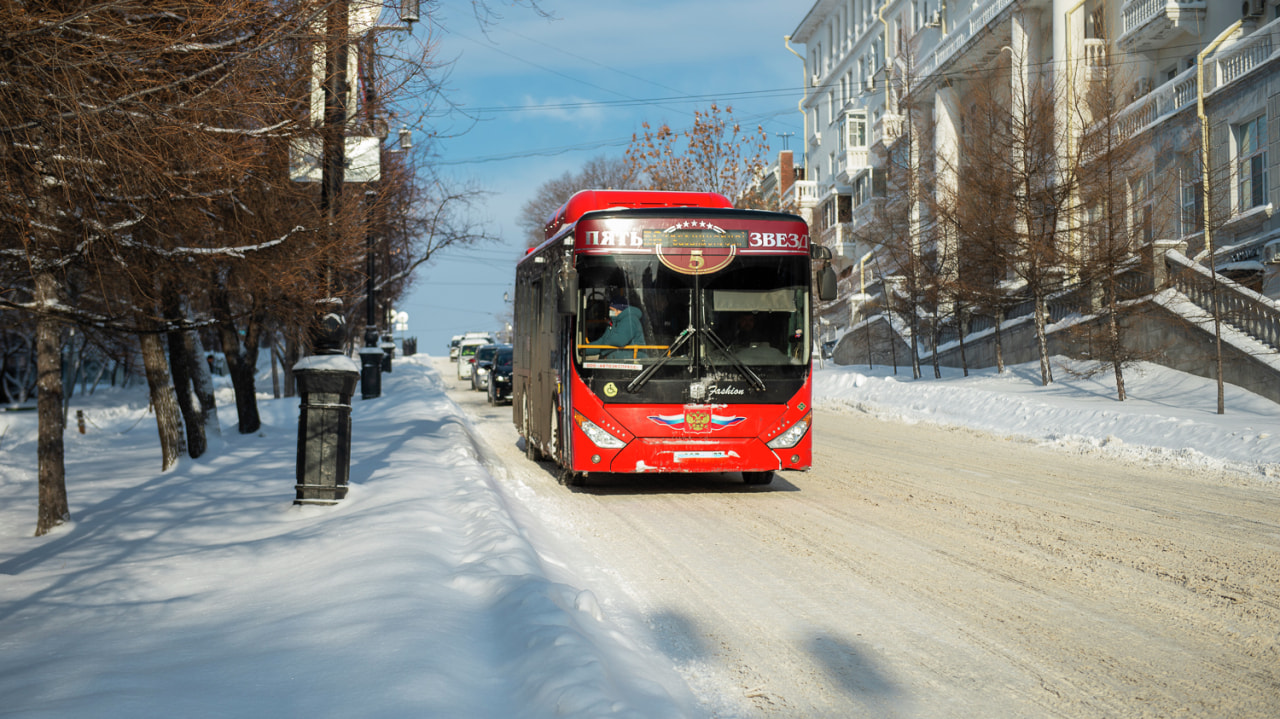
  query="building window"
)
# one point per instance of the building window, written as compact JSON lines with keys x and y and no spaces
{"x":1251,"y":162}
{"x":1140,"y":206}
{"x":855,"y":134}
{"x":1192,"y":196}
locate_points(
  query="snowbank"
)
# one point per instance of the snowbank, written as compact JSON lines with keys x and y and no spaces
{"x":205,"y":592}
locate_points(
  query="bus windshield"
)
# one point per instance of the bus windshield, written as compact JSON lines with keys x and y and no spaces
{"x":739,"y":334}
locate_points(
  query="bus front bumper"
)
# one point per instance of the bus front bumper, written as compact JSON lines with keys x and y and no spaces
{"x":746,"y":454}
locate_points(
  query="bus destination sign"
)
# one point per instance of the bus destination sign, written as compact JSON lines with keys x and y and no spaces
{"x":696,"y":250}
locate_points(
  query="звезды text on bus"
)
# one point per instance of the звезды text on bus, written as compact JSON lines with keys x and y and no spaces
{"x":666,"y":332}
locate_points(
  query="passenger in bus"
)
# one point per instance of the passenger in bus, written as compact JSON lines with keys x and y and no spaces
{"x":624,"y":329}
{"x":745,"y":333}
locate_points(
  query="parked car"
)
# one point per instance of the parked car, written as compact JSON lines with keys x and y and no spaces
{"x":500,"y":376}
{"x":480,"y":364}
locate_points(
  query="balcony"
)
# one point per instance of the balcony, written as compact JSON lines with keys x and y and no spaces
{"x":845,"y":250}
{"x":961,"y":33}
{"x":1233,"y":62}
{"x":1095,"y":58}
{"x":1154,"y":24}
{"x":850,"y":162}
{"x":805,"y":193}
{"x":889,"y":129}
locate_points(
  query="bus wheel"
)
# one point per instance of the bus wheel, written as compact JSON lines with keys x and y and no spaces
{"x":572,"y":478}
{"x":757,"y":477}
{"x":531,"y":450}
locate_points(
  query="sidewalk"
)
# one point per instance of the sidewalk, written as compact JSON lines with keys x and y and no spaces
{"x":203,"y":592}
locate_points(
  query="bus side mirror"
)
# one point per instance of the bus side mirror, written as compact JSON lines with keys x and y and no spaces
{"x":826,"y":283}
{"x":818,"y":252}
{"x":569,"y":293}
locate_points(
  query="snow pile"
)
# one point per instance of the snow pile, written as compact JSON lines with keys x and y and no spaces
{"x":1168,"y":416}
{"x":205,"y":592}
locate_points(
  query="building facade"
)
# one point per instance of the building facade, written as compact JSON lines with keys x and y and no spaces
{"x":899,"y":76}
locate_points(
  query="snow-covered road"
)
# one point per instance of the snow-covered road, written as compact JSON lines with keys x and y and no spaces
{"x":918,"y":571}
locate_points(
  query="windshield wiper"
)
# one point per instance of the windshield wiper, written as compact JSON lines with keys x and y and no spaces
{"x":642,"y":378}
{"x":738,"y":364}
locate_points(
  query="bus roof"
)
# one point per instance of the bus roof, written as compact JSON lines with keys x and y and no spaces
{"x":586,"y":201}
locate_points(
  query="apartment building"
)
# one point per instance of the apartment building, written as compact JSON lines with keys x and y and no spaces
{"x":882,"y":71}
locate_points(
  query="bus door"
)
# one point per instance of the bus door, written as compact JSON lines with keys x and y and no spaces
{"x":534,"y":409}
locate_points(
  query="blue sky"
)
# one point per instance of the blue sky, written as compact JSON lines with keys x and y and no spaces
{"x":550,"y":94}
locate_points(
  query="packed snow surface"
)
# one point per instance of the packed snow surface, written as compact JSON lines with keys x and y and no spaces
{"x":204,"y":591}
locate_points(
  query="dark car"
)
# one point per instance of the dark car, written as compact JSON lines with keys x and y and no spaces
{"x":480,"y":362}
{"x":500,"y":376}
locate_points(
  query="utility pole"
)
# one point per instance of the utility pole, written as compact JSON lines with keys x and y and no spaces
{"x":337,"y":28}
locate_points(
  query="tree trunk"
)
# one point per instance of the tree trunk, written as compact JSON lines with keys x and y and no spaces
{"x":180,"y":366}
{"x":242,"y":359}
{"x":52,"y":507}
{"x":936,"y":340}
{"x":1042,"y":341}
{"x":275,"y":368}
{"x":1113,"y":339}
{"x":1000,"y":340}
{"x":915,"y":339}
{"x":202,"y":385}
{"x":162,"y":399}
{"x":292,"y":353}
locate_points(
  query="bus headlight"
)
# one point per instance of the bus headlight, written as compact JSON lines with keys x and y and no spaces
{"x":792,"y":436}
{"x":599,"y":437}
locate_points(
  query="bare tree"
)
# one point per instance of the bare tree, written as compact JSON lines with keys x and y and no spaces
{"x":1118,"y":198}
{"x":715,"y":155}
{"x":96,"y":102}
{"x":603,"y":173}
{"x":1022,"y":163}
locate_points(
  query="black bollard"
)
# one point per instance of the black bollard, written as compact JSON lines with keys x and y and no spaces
{"x":325,"y":382}
{"x":371,"y":359}
{"x":389,"y":347}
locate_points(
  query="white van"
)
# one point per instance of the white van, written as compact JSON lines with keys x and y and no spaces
{"x":467,"y":350}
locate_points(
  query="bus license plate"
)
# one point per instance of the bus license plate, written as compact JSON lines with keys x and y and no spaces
{"x":706,"y":454}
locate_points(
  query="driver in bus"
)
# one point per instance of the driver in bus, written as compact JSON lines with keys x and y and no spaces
{"x":624,"y":329}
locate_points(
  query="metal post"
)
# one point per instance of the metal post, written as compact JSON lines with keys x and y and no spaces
{"x":370,"y":353}
{"x":327,"y":379}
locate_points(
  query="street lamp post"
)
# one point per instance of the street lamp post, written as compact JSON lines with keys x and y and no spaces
{"x":370,"y":354}
{"x":327,"y":379}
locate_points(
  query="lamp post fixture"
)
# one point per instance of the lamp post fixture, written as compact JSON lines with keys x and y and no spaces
{"x":373,"y":359}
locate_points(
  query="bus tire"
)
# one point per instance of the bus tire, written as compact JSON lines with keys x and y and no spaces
{"x":571,"y":478}
{"x":757,"y":478}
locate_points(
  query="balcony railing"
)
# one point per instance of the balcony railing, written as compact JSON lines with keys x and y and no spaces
{"x":962,"y":31}
{"x":852,"y":160}
{"x":1231,"y":63}
{"x":1140,"y":12}
{"x":1095,"y":57}
{"x":806,"y":193}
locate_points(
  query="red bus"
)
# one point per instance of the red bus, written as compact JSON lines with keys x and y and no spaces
{"x":666,"y":332}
